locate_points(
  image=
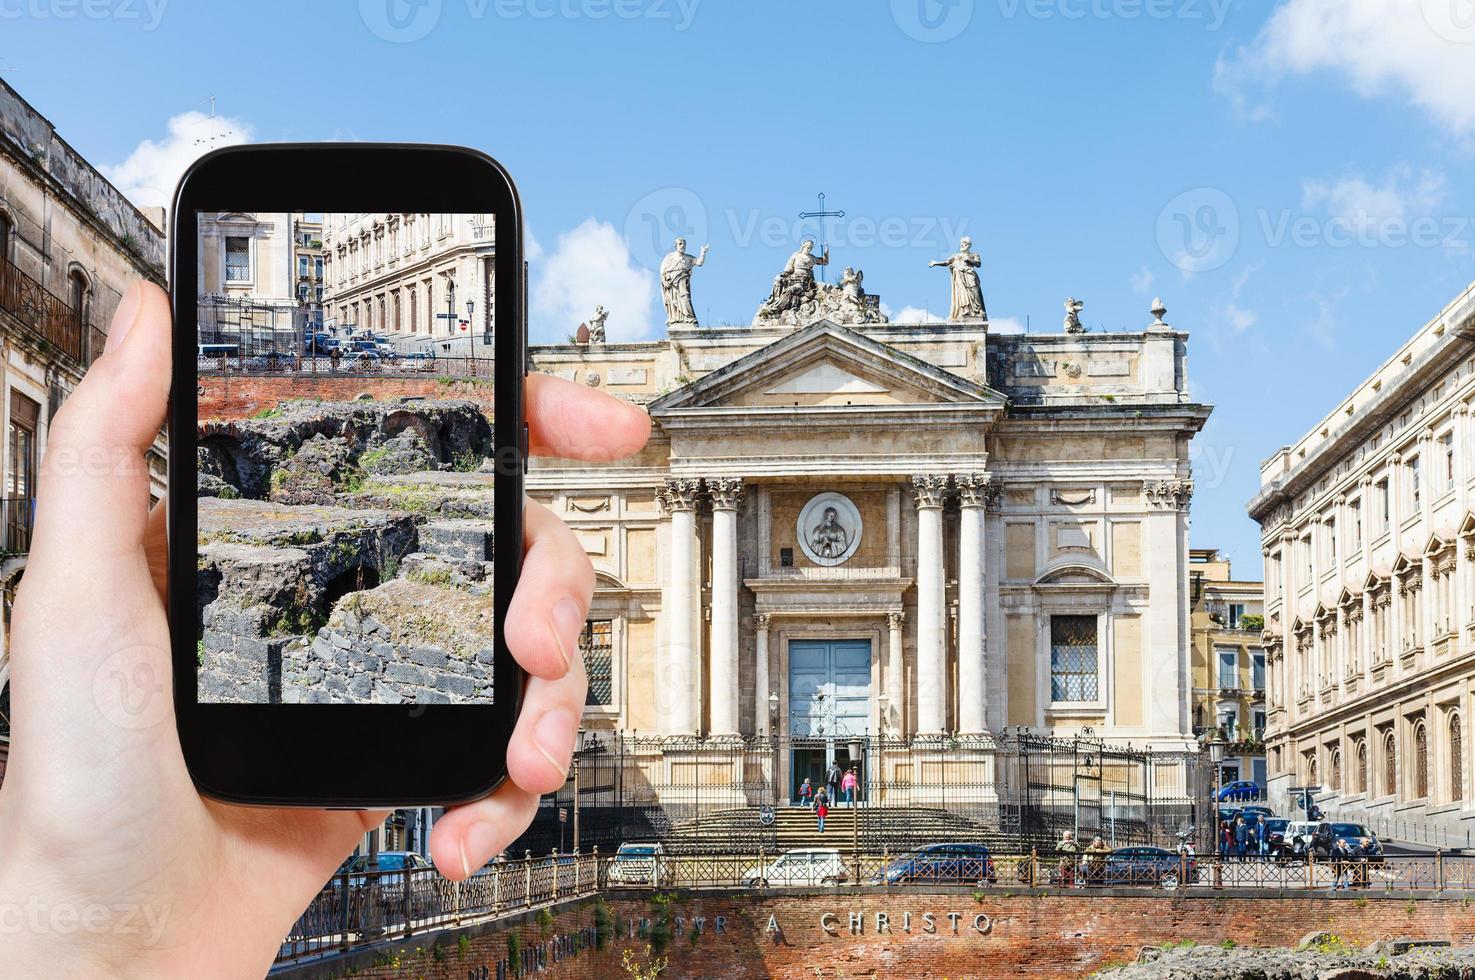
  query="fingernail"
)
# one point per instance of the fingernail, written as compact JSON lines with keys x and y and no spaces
{"x":123,"y":317}
{"x":480,"y":839}
{"x":554,"y":737}
{"x":568,"y":622}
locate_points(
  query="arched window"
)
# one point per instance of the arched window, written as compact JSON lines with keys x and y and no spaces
{"x":1390,"y":765}
{"x":1336,"y":759}
{"x":1456,"y":759}
{"x":6,"y":228}
{"x":1421,"y":761}
{"x":77,"y":294}
{"x":1361,"y":766}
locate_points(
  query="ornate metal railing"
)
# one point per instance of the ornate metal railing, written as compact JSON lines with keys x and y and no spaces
{"x":19,"y":513}
{"x":354,"y":910}
{"x":46,"y":317}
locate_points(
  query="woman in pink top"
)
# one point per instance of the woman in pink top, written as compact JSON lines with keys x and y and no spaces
{"x":848,"y":785}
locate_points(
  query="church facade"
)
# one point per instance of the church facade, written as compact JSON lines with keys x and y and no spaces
{"x":843,"y":532}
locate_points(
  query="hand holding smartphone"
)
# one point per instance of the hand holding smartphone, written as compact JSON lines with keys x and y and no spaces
{"x":347,"y":457}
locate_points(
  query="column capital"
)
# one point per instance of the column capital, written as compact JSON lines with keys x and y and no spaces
{"x":1168,"y":494}
{"x":894,"y":620}
{"x":680,"y":494}
{"x":973,"y":489}
{"x":929,"y":490}
{"x":762,"y":621}
{"x":726,"y":493}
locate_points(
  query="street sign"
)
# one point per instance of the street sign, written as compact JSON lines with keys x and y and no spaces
{"x":766,"y":815}
{"x":563,"y":815}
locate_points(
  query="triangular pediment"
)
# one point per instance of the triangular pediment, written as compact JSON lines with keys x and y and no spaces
{"x":826,"y":365}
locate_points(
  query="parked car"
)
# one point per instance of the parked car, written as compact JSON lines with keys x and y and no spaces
{"x":957,"y":864}
{"x":1241,"y":790}
{"x":1364,"y":842}
{"x":801,"y":866}
{"x":1309,"y":835}
{"x":1264,"y":811}
{"x":1148,"y":866}
{"x":636,"y":864}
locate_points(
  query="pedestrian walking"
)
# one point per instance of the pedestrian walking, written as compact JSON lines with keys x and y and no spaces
{"x":1341,"y":863}
{"x":1241,"y":836}
{"x":333,"y":355}
{"x":806,"y":793}
{"x":821,"y":810}
{"x":1068,"y":856}
{"x":1226,"y":838}
{"x":849,"y":783}
{"x":833,"y":776}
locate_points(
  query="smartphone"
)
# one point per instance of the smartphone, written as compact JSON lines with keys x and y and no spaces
{"x":347,"y":453}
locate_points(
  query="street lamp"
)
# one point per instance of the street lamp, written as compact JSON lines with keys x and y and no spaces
{"x":883,"y":705}
{"x":471,"y":333}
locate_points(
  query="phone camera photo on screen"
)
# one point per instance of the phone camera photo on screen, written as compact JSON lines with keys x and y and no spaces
{"x":346,"y":478}
{"x":338,"y":367}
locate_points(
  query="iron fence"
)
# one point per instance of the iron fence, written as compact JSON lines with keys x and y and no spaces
{"x":287,"y":361}
{"x":1013,"y":791}
{"x":358,"y":909}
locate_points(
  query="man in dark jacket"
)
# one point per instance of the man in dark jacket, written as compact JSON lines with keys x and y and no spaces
{"x":833,"y":775}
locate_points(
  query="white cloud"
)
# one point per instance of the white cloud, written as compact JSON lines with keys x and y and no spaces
{"x":1238,"y":318}
{"x":1419,"y":49}
{"x":1142,"y":280}
{"x":1005,"y":324}
{"x":911,"y":314}
{"x":148,"y":176}
{"x":589,"y":266}
{"x":1401,"y":195}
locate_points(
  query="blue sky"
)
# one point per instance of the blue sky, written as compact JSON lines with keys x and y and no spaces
{"x":1291,"y":176}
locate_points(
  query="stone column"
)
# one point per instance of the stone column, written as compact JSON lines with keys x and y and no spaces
{"x":972,"y":674}
{"x":762,"y":724}
{"x":723,"y":677}
{"x":675,"y":699}
{"x":931,"y":648}
{"x":896,"y":687}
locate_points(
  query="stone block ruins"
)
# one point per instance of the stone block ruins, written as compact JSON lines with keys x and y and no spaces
{"x":345,"y":555}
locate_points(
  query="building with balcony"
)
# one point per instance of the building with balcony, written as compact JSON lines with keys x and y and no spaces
{"x":1228,"y":663}
{"x":1368,"y":528}
{"x":413,"y":276}
{"x":251,"y":294}
{"x":309,"y":260}
{"x":884,"y":545}
{"x":70,"y":244}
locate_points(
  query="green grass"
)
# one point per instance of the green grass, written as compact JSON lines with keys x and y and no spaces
{"x":267,"y":413}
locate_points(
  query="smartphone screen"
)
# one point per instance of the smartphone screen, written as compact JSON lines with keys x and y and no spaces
{"x":345,"y":443}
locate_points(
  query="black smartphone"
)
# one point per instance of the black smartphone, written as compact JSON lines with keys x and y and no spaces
{"x":346,"y":435}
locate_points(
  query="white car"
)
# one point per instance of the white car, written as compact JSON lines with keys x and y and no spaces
{"x":803,"y":866}
{"x":636,"y":864}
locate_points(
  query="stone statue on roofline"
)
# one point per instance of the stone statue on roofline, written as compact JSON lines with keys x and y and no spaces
{"x":798,"y":299}
{"x":967,"y":295}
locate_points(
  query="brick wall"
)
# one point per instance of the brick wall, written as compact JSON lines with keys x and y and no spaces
{"x":239,"y":396}
{"x":1038,"y":936}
